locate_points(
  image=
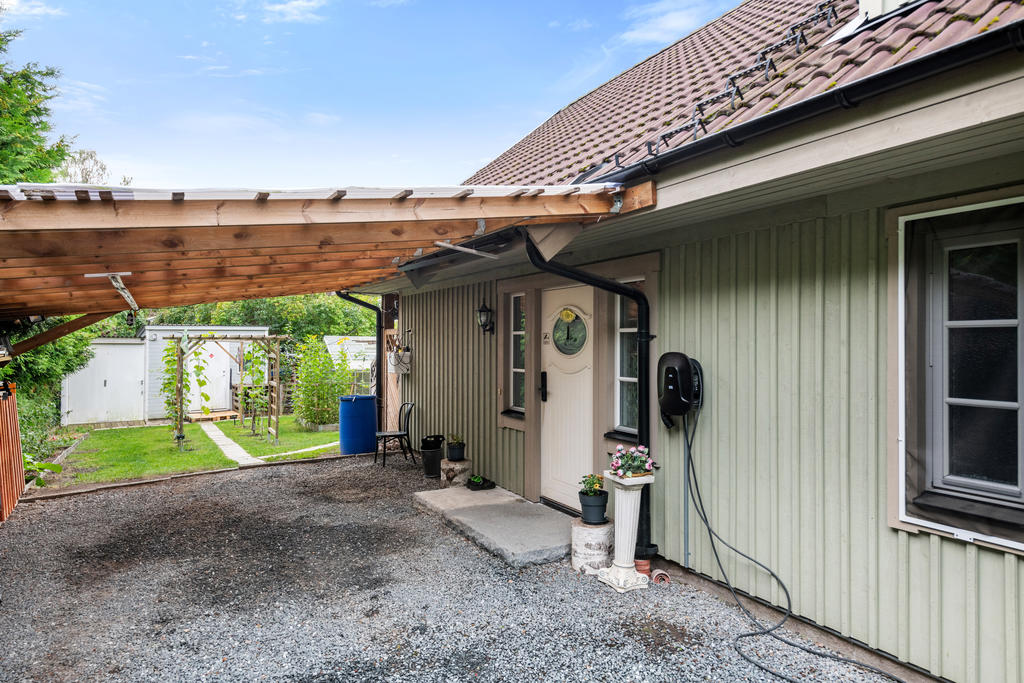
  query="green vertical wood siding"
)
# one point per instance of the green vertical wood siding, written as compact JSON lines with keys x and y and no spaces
{"x":453,"y":379}
{"x":790,"y":325}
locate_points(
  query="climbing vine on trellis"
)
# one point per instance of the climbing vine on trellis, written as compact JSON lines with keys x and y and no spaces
{"x":183,"y":363}
{"x":255,"y":399}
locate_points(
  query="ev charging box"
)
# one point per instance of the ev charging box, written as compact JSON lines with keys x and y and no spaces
{"x":678,"y":384}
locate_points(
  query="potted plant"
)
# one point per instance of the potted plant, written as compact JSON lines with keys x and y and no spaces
{"x":456,"y":448}
{"x":634,"y":462}
{"x":593,"y":499}
{"x":479,"y":483}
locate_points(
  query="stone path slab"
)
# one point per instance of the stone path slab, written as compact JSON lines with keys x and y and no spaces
{"x":228,"y":446}
{"x":518,"y":531}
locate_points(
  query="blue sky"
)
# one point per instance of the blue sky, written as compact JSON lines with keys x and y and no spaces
{"x":303,"y":93}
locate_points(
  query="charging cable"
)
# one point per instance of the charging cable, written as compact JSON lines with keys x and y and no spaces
{"x":693,"y":485}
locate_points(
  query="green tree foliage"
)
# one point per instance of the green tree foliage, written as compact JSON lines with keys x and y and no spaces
{"x":296,"y":316}
{"x":319,"y":381}
{"x":26,"y":155}
{"x":117,"y":325}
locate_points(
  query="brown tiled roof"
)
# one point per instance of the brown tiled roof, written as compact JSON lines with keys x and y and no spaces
{"x":658,"y":96}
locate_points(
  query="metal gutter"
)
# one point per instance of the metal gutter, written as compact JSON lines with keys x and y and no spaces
{"x":644,"y":548}
{"x":379,"y":388}
{"x":989,"y":44}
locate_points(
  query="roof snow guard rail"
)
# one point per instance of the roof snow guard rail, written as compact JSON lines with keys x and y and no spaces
{"x":794,"y":36}
{"x":997,"y":41}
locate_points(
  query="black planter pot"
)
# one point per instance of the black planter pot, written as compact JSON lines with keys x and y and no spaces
{"x":456,"y":452}
{"x":593,"y":508}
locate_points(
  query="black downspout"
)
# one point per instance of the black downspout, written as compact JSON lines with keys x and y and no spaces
{"x":380,"y":353}
{"x":644,"y":548}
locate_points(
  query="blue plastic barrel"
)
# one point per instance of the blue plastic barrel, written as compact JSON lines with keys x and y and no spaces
{"x":357,"y":424}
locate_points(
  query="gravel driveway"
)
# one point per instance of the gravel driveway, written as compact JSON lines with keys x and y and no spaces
{"x":325,"y":571}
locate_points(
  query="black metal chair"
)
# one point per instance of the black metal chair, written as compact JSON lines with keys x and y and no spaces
{"x":401,"y":435}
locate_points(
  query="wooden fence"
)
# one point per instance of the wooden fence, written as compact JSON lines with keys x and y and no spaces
{"x":12,"y":473}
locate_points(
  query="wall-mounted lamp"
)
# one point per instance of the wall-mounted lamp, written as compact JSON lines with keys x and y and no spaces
{"x":485,"y":318}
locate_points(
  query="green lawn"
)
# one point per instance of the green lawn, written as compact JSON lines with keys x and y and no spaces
{"x":292,"y":438}
{"x":109,"y":455}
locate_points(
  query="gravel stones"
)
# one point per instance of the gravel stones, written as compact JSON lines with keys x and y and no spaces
{"x":326,"y":572}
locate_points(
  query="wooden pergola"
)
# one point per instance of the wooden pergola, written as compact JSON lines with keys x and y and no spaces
{"x":271,"y":348}
{"x":69,"y":249}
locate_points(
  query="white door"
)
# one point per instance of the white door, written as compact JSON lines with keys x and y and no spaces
{"x":110,"y":388}
{"x":566,"y":417}
{"x":218,"y":378}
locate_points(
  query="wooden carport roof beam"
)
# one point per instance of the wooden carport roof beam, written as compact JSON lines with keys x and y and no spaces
{"x":53,"y":334}
{"x":202,"y":250}
{"x":404,"y":213}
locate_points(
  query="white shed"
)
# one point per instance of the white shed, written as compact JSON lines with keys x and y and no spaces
{"x":111,"y":388}
{"x":122,"y":381}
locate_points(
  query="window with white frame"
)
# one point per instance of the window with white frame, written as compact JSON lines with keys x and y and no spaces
{"x":974,"y":378}
{"x":626,"y":386}
{"x":963,"y":361}
{"x":517,"y":353}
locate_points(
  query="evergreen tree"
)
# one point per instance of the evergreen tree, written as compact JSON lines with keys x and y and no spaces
{"x":26,"y":155}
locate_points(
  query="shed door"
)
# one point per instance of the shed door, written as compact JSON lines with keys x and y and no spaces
{"x":567,"y":356}
{"x":111,"y":388}
{"x":218,"y":377}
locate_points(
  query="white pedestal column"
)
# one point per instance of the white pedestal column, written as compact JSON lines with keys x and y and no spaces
{"x":622,"y":575}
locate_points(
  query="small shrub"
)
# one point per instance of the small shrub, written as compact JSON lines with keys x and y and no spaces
{"x":319,"y":381}
{"x":38,"y":417}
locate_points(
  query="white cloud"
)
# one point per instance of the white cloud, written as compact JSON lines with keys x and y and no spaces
{"x":664,"y":21}
{"x":648,"y":25}
{"x":319,"y":118}
{"x":80,"y":97}
{"x":301,"y":11}
{"x":577,"y":25}
{"x":231,"y":124}
{"x":30,"y":8}
{"x":225,"y":72}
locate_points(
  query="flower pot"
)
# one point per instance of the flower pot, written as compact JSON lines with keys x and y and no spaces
{"x":593,"y":507}
{"x":456,"y":452}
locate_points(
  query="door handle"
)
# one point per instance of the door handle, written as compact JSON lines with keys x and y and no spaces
{"x":544,"y":386}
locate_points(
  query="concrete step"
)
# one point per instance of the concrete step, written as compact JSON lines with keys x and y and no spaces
{"x":518,"y":531}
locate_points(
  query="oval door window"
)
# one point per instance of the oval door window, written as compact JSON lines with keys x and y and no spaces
{"x":569,"y":332}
